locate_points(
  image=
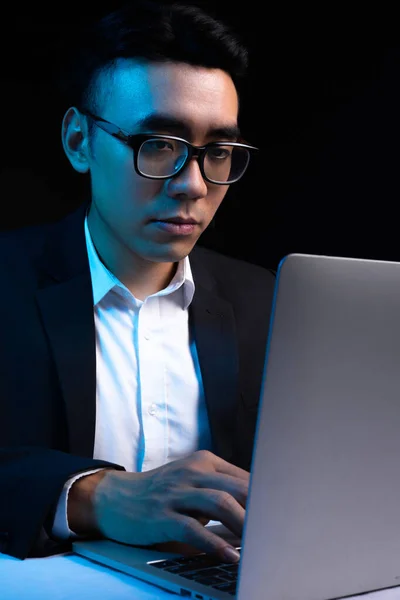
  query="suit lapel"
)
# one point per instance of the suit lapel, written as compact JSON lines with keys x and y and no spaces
{"x":65,"y":301}
{"x":213,"y":326}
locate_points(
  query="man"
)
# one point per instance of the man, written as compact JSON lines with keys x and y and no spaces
{"x":131,"y":360}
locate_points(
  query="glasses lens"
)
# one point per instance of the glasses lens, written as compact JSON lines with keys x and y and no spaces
{"x":159,"y":157}
{"x":225,"y":163}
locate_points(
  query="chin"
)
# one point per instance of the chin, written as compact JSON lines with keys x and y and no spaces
{"x":175,"y":253}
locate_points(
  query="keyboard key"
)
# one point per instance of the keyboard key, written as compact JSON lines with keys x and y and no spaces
{"x":230,"y":568}
{"x":226,"y":587}
{"x":209,"y":581}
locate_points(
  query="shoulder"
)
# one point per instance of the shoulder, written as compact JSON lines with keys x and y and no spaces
{"x":230,"y":274}
{"x":19,"y":252}
{"x":24,"y":245}
{"x":24,"y":240}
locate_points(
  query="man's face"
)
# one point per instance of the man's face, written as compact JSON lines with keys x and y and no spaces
{"x":126,"y":206}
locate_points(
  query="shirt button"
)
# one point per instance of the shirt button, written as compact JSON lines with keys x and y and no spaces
{"x":153,"y":410}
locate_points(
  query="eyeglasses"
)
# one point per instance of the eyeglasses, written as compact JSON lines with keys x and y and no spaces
{"x":164,"y":156}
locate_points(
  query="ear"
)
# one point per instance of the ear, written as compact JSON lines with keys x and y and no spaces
{"x":75,"y":140}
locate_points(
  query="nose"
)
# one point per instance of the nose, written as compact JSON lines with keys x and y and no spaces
{"x":189,"y":183}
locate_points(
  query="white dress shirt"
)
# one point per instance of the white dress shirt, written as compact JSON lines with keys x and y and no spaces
{"x":150,"y":406}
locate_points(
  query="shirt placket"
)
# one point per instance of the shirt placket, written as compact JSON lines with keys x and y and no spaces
{"x":152,"y":384}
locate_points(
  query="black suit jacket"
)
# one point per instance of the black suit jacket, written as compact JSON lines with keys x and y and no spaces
{"x":48,"y":369}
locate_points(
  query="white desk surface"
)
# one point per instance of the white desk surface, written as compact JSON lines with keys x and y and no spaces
{"x":71,"y":577}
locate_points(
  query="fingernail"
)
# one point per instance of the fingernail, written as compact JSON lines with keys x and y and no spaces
{"x":231,"y":554}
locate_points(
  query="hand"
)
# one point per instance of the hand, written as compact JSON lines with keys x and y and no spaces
{"x":169,"y":504}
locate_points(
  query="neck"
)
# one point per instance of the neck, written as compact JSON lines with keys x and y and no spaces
{"x":145,"y":282}
{"x":142,"y":277}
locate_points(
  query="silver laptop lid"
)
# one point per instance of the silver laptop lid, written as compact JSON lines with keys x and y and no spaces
{"x":323,"y":518}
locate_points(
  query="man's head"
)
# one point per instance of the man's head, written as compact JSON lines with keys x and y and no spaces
{"x":151,"y":68}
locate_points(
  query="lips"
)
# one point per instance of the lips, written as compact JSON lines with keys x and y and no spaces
{"x":171,"y":227}
{"x":178,"y":220}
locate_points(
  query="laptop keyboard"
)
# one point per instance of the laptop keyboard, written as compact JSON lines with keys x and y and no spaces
{"x":204,"y":569}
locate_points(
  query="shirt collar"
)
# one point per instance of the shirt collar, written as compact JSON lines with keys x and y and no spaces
{"x":103,"y":281}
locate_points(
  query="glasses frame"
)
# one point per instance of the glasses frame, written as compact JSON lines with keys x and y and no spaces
{"x":135,"y":142}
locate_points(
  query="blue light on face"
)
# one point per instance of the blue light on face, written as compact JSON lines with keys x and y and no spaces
{"x":179,"y":162}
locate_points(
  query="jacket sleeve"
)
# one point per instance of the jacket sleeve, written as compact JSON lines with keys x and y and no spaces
{"x":31,"y":481}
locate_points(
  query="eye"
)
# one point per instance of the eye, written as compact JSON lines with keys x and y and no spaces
{"x":158,"y":146}
{"x":219,"y":152}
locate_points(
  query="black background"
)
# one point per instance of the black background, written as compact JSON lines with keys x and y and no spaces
{"x":321,"y":101}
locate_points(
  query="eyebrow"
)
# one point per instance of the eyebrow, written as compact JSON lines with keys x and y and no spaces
{"x":159,"y":122}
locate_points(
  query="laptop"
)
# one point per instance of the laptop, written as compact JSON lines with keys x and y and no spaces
{"x":323,"y":515}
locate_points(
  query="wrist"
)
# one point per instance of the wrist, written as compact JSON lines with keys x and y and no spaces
{"x":80,"y":506}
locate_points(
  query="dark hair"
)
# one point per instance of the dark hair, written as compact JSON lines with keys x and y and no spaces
{"x":150,"y":31}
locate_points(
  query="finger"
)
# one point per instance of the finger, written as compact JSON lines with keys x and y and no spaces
{"x":223,"y":466}
{"x":194,"y":534}
{"x":215,"y":505}
{"x":199,"y":517}
{"x":238,"y":488}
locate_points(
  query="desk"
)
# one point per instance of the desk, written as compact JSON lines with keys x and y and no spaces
{"x":71,"y":577}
